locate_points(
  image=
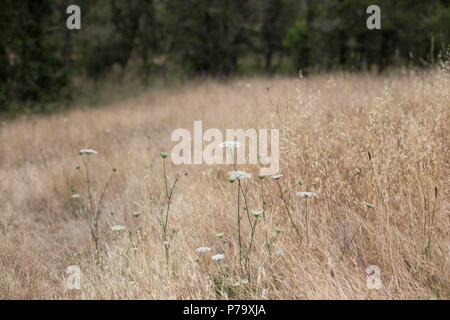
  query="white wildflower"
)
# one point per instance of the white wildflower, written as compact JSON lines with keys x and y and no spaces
{"x":305,"y":194}
{"x":75,"y":196}
{"x":369,"y":206}
{"x":277,"y":176}
{"x":136,"y":214}
{"x":220,"y":235}
{"x":202,"y":250}
{"x":118,"y":228}
{"x":218,"y":257}
{"x":88,"y":151}
{"x":230,"y":145}
{"x":279,"y":252}
{"x":257,"y":213}
{"x":239,"y":175}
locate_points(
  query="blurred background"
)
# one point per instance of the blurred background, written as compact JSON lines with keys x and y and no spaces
{"x":126,"y":46}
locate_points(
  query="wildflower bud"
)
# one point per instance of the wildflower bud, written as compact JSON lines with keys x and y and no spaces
{"x":114,"y":170}
{"x":164,"y":154}
{"x":239,"y":175}
{"x":277,"y":176}
{"x":257,"y":213}
{"x":220,"y":235}
{"x":231,"y":179}
{"x":88,"y":151}
{"x":78,"y":167}
{"x":306,"y":194}
{"x":218,"y":257}
{"x":118,"y":228}
{"x":202,"y":250}
{"x":369,"y":206}
{"x":136,"y":214}
{"x":370,"y":155}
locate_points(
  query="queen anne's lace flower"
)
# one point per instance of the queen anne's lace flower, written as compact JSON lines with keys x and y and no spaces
{"x":263,"y":175}
{"x":118,"y":228}
{"x":277,"y":176}
{"x":136,"y":214}
{"x":257,"y":213}
{"x":202,"y":250}
{"x":369,"y":205}
{"x":218,"y":257}
{"x":305,"y":194}
{"x":88,"y":151}
{"x":239,"y":175}
{"x":229,"y":145}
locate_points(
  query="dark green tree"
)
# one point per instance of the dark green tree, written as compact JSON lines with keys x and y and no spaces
{"x":30,"y":53}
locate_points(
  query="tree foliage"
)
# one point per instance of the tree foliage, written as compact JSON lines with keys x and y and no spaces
{"x":40,"y":58}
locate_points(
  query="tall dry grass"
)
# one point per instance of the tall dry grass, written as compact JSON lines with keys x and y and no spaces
{"x":328,"y":125}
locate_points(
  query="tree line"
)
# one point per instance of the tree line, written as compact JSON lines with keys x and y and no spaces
{"x":41,"y":60}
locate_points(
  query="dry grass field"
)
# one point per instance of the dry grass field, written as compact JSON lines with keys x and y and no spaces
{"x":328,"y":126}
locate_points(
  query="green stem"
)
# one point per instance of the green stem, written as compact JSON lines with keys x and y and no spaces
{"x":165,"y":178}
{"x":250,"y":249}
{"x":307,"y":223}
{"x":239,"y":227}
{"x":244,"y":195}
{"x":287,"y":209}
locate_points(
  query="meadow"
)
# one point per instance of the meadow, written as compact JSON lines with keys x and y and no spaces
{"x":373,"y":150}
